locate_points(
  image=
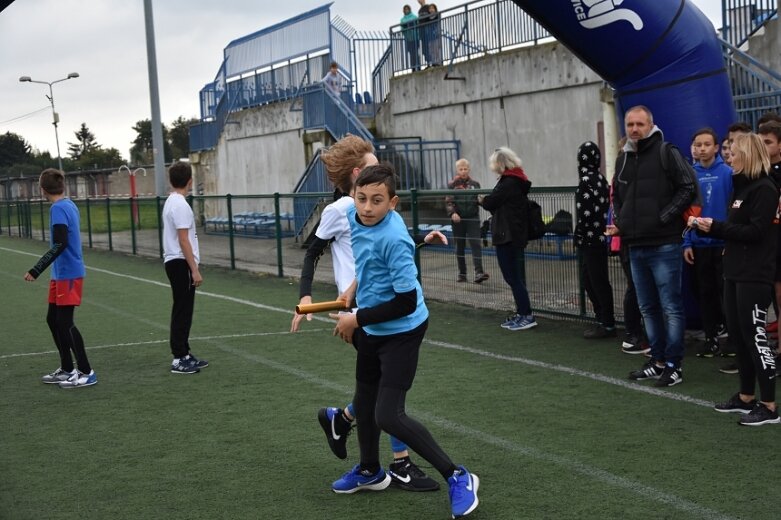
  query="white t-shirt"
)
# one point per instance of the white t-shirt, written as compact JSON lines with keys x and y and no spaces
{"x":334,"y":224}
{"x":177,"y":214}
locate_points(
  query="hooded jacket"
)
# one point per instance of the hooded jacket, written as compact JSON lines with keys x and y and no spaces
{"x":716,"y":189}
{"x":592,"y":198}
{"x":649,"y":202}
{"x":508,"y":204}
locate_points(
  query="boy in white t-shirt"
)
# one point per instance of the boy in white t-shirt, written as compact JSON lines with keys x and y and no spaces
{"x":181,"y":257}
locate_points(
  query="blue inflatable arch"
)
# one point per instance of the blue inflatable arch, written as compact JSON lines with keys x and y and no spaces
{"x":664,"y":54}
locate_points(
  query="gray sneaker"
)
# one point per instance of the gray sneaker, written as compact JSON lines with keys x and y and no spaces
{"x":56,"y":377}
{"x":523,"y":323}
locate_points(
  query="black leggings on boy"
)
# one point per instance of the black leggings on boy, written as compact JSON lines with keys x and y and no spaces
{"x":67,"y":337}
{"x":745,"y":307}
{"x":385,"y":369}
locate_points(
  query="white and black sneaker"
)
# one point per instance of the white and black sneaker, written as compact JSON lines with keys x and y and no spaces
{"x":735,"y":405}
{"x":650,"y":370}
{"x":671,"y":376}
{"x":185,"y":365}
{"x":406,"y":475}
{"x":57,"y":377}
{"x":635,"y":345}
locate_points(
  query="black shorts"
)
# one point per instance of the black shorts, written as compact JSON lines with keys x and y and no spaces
{"x":389,"y":361}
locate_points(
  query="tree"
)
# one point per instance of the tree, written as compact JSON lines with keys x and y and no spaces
{"x":180,"y":137}
{"x":141,"y":151}
{"x":85,"y":142}
{"x":13,"y":150}
{"x":100,"y":158}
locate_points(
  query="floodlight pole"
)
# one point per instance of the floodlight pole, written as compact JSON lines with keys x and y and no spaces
{"x":50,"y":97}
{"x":158,"y":150}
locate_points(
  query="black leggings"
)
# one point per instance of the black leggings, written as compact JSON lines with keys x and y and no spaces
{"x":745,"y":307}
{"x":67,"y":337}
{"x":385,"y":370}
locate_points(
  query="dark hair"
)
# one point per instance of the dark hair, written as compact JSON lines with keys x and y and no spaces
{"x":767,"y":117}
{"x":771,"y":127}
{"x":333,"y":64}
{"x":179,"y":174}
{"x":740,"y":127}
{"x":378,"y":174}
{"x":52,"y":181}
{"x":706,"y":130}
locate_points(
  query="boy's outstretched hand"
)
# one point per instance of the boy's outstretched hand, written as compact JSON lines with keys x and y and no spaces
{"x":435,"y":236}
{"x":346,"y":323}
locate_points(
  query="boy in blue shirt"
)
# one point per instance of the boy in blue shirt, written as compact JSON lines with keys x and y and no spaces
{"x":704,"y":253}
{"x":387,"y":331}
{"x":66,"y":284}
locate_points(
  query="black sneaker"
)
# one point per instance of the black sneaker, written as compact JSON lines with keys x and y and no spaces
{"x":334,"y":427}
{"x":599,"y":332}
{"x":709,"y":349}
{"x":185,"y":365}
{"x":732,"y":368}
{"x":671,"y":376}
{"x":461,"y":278}
{"x":648,"y":371}
{"x":406,"y":475}
{"x":722,"y":333}
{"x":635,"y":345}
{"x":481,"y":277}
{"x":200,"y":363}
{"x":759,"y":415}
{"x":735,"y":405}
{"x":727,"y":352}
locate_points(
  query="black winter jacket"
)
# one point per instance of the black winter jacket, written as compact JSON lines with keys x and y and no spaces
{"x":508,"y":204}
{"x":465,"y":205}
{"x":749,"y":233}
{"x":648,"y":203}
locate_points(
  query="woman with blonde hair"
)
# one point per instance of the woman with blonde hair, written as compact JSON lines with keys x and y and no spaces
{"x":750,"y":236}
{"x":508,"y":204}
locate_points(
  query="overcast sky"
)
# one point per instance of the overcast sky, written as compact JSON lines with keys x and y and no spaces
{"x":104,"y":41}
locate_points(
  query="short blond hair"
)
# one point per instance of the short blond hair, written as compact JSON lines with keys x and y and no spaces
{"x":503,"y":159}
{"x":752,"y":154}
{"x":462,"y":162}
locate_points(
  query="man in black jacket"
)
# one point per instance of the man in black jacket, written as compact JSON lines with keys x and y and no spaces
{"x":648,"y":203}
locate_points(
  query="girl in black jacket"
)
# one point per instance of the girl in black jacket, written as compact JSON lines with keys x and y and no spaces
{"x":749,"y":267}
{"x":508,"y":204}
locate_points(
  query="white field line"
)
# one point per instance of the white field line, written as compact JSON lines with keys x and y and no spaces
{"x":647,"y":492}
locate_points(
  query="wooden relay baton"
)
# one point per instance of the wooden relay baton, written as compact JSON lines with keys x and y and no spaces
{"x":335,"y":305}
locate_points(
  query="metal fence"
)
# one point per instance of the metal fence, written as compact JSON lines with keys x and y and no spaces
{"x":255,"y":233}
{"x":742,"y":18}
{"x":755,"y":88}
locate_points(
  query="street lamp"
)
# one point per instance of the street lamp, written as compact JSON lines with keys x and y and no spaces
{"x":55,"y":116}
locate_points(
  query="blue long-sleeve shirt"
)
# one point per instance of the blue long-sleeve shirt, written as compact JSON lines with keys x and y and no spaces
{"x":716,"y":192}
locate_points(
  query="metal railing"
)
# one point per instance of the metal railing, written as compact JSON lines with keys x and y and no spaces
{"x":756,"y":89}
{"x":743,"y":18}
{"x":255,"y":233}
{"x":325,"y":110}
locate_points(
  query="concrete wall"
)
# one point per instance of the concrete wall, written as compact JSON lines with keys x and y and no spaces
{"x":540,"y":101}
{"x":765,"y":47}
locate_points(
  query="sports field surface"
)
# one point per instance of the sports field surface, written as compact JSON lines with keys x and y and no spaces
{"x":547,"y":420}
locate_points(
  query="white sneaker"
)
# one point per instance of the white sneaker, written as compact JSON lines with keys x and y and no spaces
{"x":58,"y":376}
{"x":80,"y":379}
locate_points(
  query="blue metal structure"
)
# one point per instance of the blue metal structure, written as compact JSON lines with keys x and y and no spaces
{"x":742,"y":18}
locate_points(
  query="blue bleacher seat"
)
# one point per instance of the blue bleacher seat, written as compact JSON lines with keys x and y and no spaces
{"x":367,"y":98}
{"x":358,"y":100}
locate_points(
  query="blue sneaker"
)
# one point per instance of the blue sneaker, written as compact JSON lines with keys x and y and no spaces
{"x":79,"y":379}
{"x":356,"y":480}
{"x":524,"y":323}
{"x":463,"y":492}
{"x":510,"y":321}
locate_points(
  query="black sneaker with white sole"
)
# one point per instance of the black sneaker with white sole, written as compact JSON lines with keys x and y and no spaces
{"x":649,"y":370}
{"x":759,"y":415}
{"x":635,"y":345}
{"x":671,"y":376}
{"x":735,"y":405}
{"x":406,"y":475}
{"x":732,"y":368}
{"x":709,"y":349}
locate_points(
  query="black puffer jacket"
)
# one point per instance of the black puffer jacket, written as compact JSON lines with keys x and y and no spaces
{"x":749,"y":233}
{"x":508,"y":204}
{"x":648,"y":202}
{"x":465,"y":205}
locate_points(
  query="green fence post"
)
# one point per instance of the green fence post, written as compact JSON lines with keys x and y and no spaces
{"x":89,"y":224}
{"x":230,"y":230}
{"x":108,"y":223}
{"x":278,"y":223}
{"x":159,"y":225}
{"x":43,"y":223}
{"x":132,"y":226}
{"x":415,"y":231}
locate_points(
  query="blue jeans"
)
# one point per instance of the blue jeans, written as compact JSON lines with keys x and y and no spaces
{"x":656,"y":272}
{"x":509,"y":258}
